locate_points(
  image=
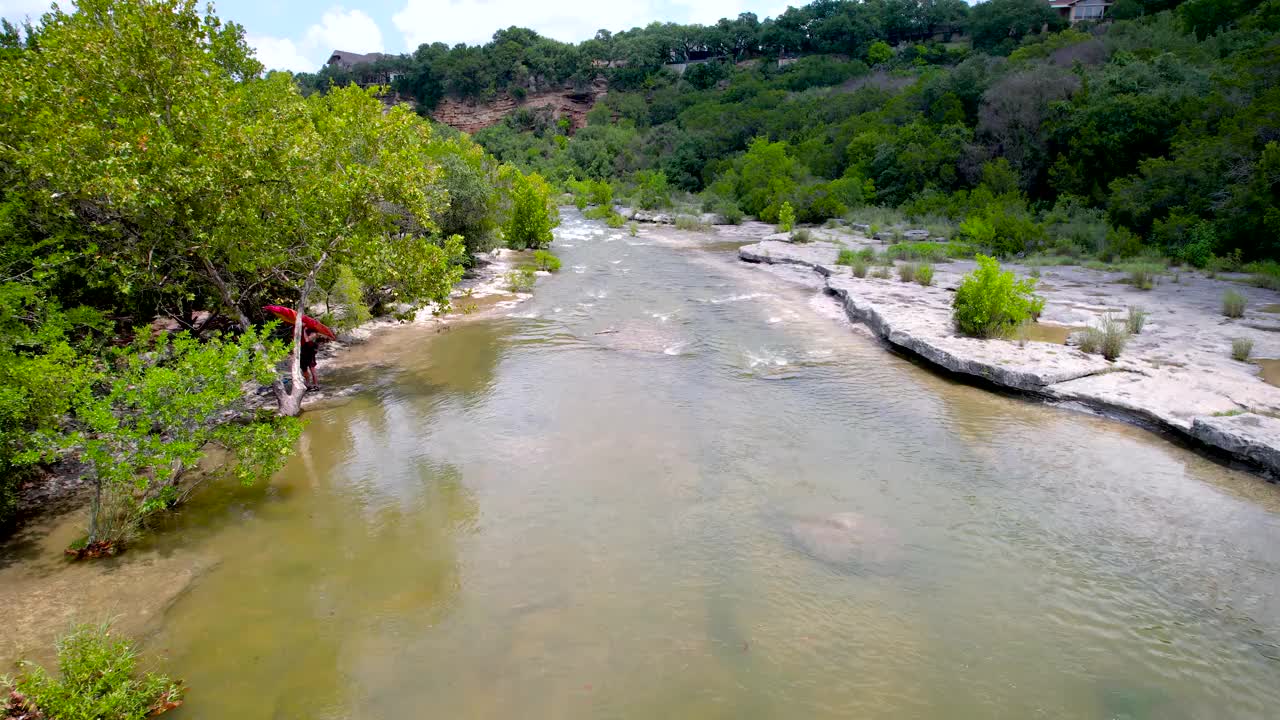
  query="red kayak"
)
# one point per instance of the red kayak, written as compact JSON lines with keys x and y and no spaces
{"x":289,"y":315}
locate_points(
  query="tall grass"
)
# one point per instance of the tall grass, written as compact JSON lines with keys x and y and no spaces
{"x":1233,"y":304}
{"x":924,"y":274}
{"x":907,"y":272}
{"x":1241,"y":349}
{"x":1136,"y":319}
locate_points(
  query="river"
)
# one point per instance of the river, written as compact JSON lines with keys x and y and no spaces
{"x":673,"y":485}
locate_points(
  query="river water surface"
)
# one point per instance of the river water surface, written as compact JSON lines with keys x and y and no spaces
{"x":675,"y":486}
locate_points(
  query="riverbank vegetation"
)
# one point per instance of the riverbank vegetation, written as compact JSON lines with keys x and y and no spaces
{"x":156,"y":191}
{"x":1151,"y":134}
{"x":97,"y":679}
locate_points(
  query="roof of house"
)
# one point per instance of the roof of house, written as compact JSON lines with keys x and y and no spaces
{"x":349,"y":59}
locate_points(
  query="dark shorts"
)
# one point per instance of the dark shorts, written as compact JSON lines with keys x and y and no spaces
{"x":308,"y":356}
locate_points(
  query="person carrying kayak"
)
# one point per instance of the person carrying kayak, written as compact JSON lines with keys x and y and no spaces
{"x":307,"y":358}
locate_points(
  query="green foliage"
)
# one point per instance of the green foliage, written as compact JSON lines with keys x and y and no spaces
{"x":592,"y":192}
{"x":531,"y":214}
{"x":924,"y":274}
{"x":1241,"y":349}
{"x":786,"y":217}
{"x":879,"y":53}
{"x":1136,"y":319}
{"x":157,"y":407}
{"x":693,"y":224}
{"x":344,"y":299}
{"x":991,"y":302}
{"x":1233,"y":304}
{"x":1143,"y":275}
{"x":521,"y":280}
{"x":997,"y":25}
{"x":802,"y":236}
{"x":652,"y":190}
{"x":1113,"y":337}
{"x":907,"y":272}
{"x":98,"y":680}
{"x":544,"y":260}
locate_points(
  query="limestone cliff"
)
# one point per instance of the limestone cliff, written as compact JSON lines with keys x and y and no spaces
{"x":568,"y":102}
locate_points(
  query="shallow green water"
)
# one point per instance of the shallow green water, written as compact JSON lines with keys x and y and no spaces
{"x":672,"y":486}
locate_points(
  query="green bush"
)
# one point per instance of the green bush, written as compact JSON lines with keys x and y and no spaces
{"x":802,"y":236}
{"x":1136,"y":319}
{"x":98,"y":681}
{"x":1241,"y":349}
{"x":924,"y":274}
{"x":991,"y":302}
{"x":652,"y":191}
{"x":1143,"y":275}
{"x":1113,"y":339}
{"x":1233,"y":304}
{"x":545,"y":260}
{"x":730,"y":211}
{"x":521,"y":280}
{"x":693,"y":224}
{"x":786,"y":217}
{"x":531,"y":214}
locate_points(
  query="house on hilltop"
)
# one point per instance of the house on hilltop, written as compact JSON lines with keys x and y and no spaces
{"x":358,"y":64}
{"x":1074,"y":11}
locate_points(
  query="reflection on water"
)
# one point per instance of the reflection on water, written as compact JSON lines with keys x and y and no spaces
{"x":547,"y":514}
{"x":1049,"y":333}
{"x":1270,"y":369}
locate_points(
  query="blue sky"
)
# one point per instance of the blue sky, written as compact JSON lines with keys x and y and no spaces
{"x":299,"y":35}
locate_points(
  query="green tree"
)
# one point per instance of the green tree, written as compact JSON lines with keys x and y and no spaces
{"x":997,"y":25}
{"x":531,"y":214}
{"x":786,"y":217}
{"x":155,"y":409}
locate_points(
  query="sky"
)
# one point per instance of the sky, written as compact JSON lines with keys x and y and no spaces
{"x":298,"y":35}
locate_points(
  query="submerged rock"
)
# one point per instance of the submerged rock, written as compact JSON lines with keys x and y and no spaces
{"x":847,"y":540}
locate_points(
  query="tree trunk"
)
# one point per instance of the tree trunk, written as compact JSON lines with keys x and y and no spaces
{"x":290,"y":401}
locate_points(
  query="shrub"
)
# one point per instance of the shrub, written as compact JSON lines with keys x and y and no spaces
{"x":1266,"y":274}
{"x":652,"y":189}
{"x":98,"y":681}
{"x":1233,"y":304}
{"x":907,"y":272}
{"x":992,"y":302}
{"x":786,"y":217}
{"x":847,"y":257}
{"x":1136,"y":319}
{"x":531,"y":214}
{"x":160,"y":404}
{"x":924,"y":274}
{"x":731,"y":213}
{"x":521,"y":279}
{"x":801,"y":236}
{"x":688,"y":222}
{"x":1143,"y":276}
{"x":633,"y":229}
{"x":544,"y":260}
{"x":859,"y":268}
{"x":1090,"y":340}
{"x":1113,"y":338}
{"x":1241,"y":348}
{"x":614,"y":220}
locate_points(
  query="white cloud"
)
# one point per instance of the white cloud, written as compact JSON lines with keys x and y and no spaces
{"x":474,"y":21}
{"x":338,"y":29}
{"x":350,"y":30}
{"x":280,"y":54}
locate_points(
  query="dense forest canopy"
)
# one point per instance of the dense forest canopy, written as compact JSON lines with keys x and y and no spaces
{"x":1156,"y":131}
{"x":153,"y":179}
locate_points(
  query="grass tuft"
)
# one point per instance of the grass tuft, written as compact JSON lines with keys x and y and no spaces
{"x":1233,"y":304}
{"x":924,"y":274}
{"x":907,"y":272}
{"x":1241,"y":349}
{"x":1136,"y":319}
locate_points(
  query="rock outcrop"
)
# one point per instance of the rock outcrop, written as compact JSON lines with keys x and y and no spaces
{"x":567,"y":102}
{"x":1177,"y":375}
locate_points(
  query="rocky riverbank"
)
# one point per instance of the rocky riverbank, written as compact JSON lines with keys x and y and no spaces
{"x":1177,"y":375}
